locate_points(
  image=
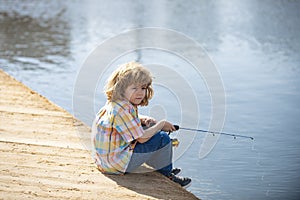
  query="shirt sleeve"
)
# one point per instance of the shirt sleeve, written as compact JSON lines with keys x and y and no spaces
{"x":128,"y":126}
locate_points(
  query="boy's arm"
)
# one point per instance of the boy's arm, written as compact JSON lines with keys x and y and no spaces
{"x":161,"y":125}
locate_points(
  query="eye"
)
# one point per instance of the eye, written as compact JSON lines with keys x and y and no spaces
{"x":144,"y":87}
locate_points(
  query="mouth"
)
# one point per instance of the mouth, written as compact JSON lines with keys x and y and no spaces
{"x":136,"y":100}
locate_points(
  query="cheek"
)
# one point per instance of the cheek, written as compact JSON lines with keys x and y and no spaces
{"x":130,"y":94}
{"x":127,"y":94}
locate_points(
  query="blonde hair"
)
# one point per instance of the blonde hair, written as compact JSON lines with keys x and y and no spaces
{"x":126,"y":75}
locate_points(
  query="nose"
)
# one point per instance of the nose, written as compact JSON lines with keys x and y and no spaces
{"x":140,"y":91}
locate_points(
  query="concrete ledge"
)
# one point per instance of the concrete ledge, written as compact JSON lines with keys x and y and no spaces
{"x":42,"y":155}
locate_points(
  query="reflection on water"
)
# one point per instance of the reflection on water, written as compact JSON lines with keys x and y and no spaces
{"x":33,"y":45}
{"x":255,"y":45}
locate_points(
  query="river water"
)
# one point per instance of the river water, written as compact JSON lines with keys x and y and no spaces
{"x":254,"y":45}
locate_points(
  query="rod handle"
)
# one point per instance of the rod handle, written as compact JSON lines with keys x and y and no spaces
{"x":176,"y":127}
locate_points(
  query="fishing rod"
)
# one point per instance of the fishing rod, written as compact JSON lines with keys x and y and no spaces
{"x":213,"y":132}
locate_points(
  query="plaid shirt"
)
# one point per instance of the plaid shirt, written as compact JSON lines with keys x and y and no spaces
{"x":117,"y":128}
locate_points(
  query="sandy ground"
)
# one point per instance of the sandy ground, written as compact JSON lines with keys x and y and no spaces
{"x":42,"y":156}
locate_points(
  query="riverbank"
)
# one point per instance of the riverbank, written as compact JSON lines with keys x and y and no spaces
{"x":42,"y":156}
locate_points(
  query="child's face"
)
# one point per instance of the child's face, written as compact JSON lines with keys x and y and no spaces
{"x":135,"y":93}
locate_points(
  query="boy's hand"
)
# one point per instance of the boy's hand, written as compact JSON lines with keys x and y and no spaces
{"x":168,"y":127}
{"x":148,"y":121}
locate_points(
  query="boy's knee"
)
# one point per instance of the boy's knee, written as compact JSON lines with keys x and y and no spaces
{"x":165,"y":138}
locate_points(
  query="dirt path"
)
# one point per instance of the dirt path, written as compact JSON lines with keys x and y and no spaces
{"x":42,"y":156}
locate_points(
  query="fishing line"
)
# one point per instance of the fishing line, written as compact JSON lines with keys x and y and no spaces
{"x":214,"y":132}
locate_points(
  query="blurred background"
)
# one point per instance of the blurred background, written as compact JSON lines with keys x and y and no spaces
{"x":254,"y":44}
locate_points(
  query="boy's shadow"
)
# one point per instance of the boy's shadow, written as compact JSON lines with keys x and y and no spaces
{"x":149,"y":183}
